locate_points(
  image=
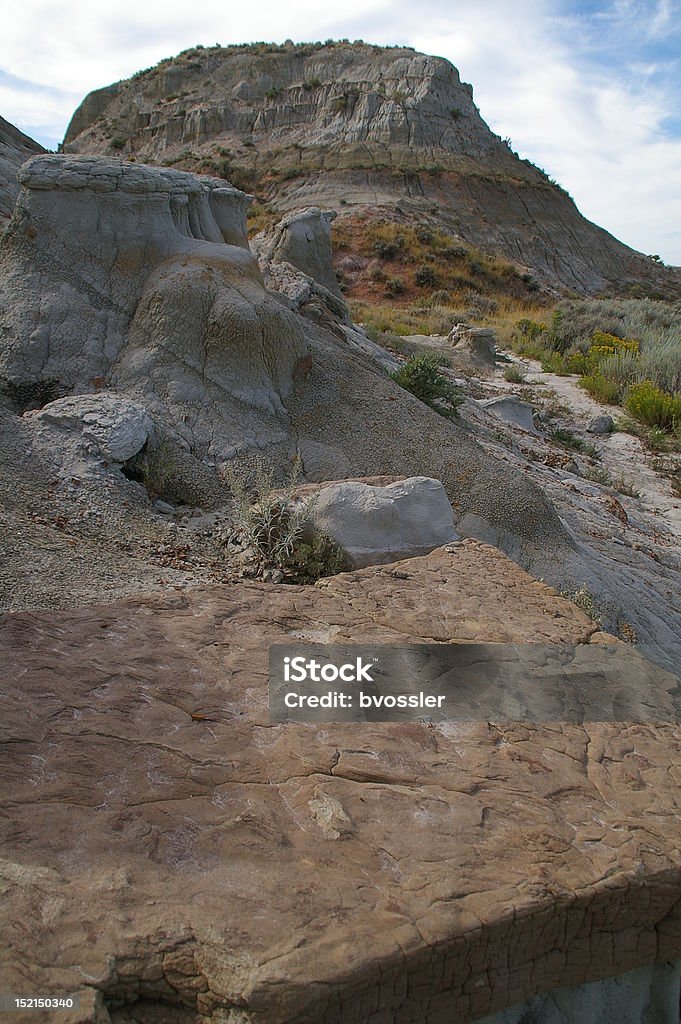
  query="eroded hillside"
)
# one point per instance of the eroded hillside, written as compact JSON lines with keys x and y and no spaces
{"x":347,"y":126}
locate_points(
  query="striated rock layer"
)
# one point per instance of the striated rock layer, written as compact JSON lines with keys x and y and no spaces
{"x":346,"y":125}
{"x":15,"y":149}
{"x":173,"y":856}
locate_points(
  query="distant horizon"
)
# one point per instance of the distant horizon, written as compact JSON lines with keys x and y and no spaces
{"x":588,"y":91}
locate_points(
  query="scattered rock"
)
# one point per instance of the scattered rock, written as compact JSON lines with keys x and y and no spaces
{"x":601,"y":425}
{"x":112,"y":427}
{"x":477,"y":343}
{"x":164,"y":507}
{"x":374,"y":525}
{"x":511,"y":410}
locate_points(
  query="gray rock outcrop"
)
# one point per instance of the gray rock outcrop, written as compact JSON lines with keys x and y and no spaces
{"x":476,"y":343}
{"x":302,"y":239}
{"x":15,"y":149}
{"x":146,"y":285}
{"x":378,"y":524}
{"x":601,"y":425}
{"x":104,"y":425}
{"x":647,"y":995}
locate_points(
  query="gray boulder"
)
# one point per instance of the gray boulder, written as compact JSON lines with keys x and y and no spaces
{"x":511,"y":410}
{"x":374,"y":525}
{"x":477,"y":343}
{"x":109,"y":426}
{"x":601,"y":425}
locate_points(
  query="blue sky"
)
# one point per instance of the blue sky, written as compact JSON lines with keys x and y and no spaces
{"x":590,"y":91}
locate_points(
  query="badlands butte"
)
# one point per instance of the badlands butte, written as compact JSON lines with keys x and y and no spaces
{"x":204,"y":453}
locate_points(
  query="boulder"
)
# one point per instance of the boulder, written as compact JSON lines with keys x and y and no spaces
{"x":374,"y":525}
{"x":477,"y":343}
{"x":112,"y":427}
{"x":601,"y":425}
{"x":511,"y":410}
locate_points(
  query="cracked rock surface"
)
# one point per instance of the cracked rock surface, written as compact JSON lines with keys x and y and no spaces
{"x":175,"y":857}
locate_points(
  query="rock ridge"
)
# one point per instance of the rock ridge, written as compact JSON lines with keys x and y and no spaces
{"x":345,"y":126}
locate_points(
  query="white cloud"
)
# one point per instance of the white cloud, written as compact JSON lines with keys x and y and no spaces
{"x":581,"y":96}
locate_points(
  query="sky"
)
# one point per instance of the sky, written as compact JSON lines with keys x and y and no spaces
{"x":590,"y":90}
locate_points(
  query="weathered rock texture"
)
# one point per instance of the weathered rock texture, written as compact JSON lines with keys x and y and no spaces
{"x":140,"y":279}
{"x":15,"y":149}
{"x":476,"y":343}
{"x":511,"y":410}
{"x":647,"y":995}
{"x":105,"y":425}
{"x":342,"y":126}
{"x":303,"y":239}
{"x":378,"y":524}
{"x":172,"y":855}
{"x":122,"y":277}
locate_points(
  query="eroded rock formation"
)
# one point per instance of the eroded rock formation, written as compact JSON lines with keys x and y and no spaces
{"x":346,"y":126}
{"x":128,"y":278}
{"x":140,"y":279}
{"x":15,"y":149}
{"x":303,"y":239}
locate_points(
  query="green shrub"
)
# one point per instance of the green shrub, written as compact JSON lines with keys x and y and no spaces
{"x":514,"y":375}
{"x":421,"y":376}
{"x":394,"y":286}
{"x":311,"y":562}
{"x":584,"y":600}
{"x":118,"y":143}
{"x":386,"y":250}
{"x":625,"y":486}
{"x":273,"y":523}
{"x":598,"y":475}
{"x":570,"y":440}
{"x":425,"y":277}
{"x":601,"y":388}
{"x":554,"y":362}
{"x":651,"y":405}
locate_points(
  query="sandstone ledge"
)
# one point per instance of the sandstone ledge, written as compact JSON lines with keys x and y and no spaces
{"x":164,"y":843}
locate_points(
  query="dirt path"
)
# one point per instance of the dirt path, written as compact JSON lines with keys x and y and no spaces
{"x":623,"y":455}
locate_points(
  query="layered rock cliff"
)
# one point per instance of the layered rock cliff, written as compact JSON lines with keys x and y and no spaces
{"x":15,"y":149}
{"x":343,"y":126}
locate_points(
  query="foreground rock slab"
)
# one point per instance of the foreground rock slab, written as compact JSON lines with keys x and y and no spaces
{"x":175,"y":857}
